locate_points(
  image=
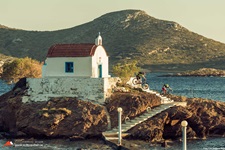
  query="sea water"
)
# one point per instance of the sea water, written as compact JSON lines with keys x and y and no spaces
{"x":204,"y":87}
{"x":4,"y":87}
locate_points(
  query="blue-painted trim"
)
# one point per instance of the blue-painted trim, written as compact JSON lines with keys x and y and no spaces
{"x":100,"y":71}
{"x":67,"y":65}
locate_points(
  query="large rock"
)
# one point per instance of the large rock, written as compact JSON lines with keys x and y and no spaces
{"x":211,"y":114}
{"x":204,"y":117}
{"x":77,"y":119}
{"x":133,"y":104}
{"x":62,"y":117}
{"x":150,"y":130}
{"x":58,"y":117}
{"x":66,"y":117}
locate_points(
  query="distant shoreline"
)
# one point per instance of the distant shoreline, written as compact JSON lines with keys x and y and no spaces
{"x":203,"y":72}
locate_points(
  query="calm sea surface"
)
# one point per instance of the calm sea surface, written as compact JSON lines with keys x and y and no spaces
{"x":204,"y":87}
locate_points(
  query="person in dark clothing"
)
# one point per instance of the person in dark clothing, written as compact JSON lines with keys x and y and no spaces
{"x":141,"y":75}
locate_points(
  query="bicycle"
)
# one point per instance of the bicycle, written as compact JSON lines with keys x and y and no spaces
{"x":144,"y":85}
{"x":168,"y":92}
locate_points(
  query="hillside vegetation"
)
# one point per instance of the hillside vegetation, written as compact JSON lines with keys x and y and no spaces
{"x":128,"y":34}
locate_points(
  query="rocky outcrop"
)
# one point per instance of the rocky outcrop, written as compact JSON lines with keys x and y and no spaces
{"x":66,"y":117}
{"x":58,"y":117}
{"x":204,"y":117}
{"x":77,"y":119}
{"x":61,"y":117}
{"x":203,"y":72}
{"x":133,"y":104}
{"x":211,"y":113}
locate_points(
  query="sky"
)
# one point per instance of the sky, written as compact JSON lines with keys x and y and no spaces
{"x":205,"y":17}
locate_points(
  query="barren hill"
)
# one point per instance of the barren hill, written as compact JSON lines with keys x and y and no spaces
{"x":128,"y":34}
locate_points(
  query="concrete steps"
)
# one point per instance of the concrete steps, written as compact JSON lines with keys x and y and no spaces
{"x":164,"y":99}
{"x":113,"y":134}
{"x":165,"y":104}
{"x":110,"y":135}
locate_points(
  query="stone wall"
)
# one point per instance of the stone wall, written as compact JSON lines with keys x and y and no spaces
{"x":84,"y":88}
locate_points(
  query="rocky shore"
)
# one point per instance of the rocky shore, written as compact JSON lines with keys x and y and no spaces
{"x":74,"y":119}
{"x":203,"y":72}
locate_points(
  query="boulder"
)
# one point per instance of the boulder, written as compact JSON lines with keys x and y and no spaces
{"x":133,"y":104}
{"x":204,"y":117}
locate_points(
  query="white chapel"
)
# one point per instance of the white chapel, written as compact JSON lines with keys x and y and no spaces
{"x":77,"y":60}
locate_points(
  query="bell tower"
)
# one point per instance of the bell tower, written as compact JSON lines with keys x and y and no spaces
{"x":98,"y":40}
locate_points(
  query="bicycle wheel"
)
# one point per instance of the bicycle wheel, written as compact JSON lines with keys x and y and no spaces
{"x":135,"y":81}
{"x":145,"y":86}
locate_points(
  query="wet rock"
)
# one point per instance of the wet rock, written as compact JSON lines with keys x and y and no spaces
{"x":218,"y":130}
{"x":21,"y":134}
{"x":76,"y":138}
{"x":1,"y":136}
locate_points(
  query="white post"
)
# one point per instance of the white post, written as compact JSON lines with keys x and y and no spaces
{"x":119,"y":124}
{"x":184,"y":138}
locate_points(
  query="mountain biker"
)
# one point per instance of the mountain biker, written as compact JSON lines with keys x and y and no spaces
{"x":164,"y":88}
{"x":141,"y":75}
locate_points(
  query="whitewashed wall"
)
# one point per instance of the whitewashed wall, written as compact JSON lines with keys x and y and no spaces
{"x":100,"y":53}
{"x":109,"y":85}
{"x":56,"y":66}
{"x":83,"y":66}
{"x":84,"y":88}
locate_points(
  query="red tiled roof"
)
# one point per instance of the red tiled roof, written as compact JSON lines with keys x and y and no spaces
{"x":71,"y":50}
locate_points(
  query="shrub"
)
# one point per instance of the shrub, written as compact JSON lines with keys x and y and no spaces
{"x":125,"y":70}
{"x":20,"y":68}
